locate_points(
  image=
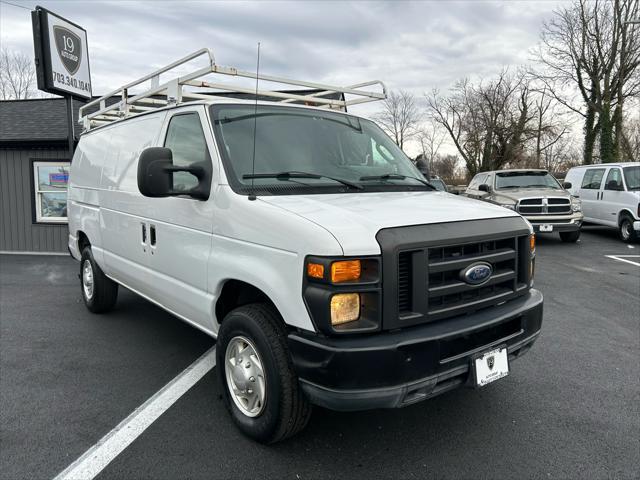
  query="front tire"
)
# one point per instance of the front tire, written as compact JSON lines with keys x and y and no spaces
{"x":570,"y":237}
{"x":625,"y":230}
{"x":256,"y":376}
{"x":98,"y":291}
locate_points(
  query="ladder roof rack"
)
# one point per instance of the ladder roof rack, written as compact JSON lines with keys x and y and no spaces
{"x":105,"y":110}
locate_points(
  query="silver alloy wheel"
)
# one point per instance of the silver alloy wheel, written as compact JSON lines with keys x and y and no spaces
{"x":245,"y":376}
{"x":87,"y":279}
{"x":626,"y":229}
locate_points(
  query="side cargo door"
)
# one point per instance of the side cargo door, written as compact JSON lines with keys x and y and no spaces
{"x":123,"y":211}
{"x":180,"y":227}
{"x":590,"y":193}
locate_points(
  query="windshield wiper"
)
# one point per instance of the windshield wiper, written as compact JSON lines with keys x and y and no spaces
{"x":296,"y":174}
{"x":396,"y":176}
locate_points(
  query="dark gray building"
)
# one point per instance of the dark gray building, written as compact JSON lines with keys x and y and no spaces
{"x":34,"y":170}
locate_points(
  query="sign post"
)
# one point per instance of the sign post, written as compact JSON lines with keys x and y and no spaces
{"x":62,"y":60}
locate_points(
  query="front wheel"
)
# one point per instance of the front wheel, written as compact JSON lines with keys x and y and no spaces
{"x":256,"y":376}
{"x":625,"y":231}
{"x":570,"y":237}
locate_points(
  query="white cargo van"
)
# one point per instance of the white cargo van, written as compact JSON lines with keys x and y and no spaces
{"x":610,"y":195}
{"x":304,"y":240}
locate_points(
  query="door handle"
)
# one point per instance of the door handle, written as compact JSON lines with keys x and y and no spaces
{"x":144,"y":233}
{"x":152,"y":235}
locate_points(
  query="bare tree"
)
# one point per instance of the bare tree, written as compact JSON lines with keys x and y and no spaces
{"x":489,"y":122}
{"x":431,"y":137}
{"x":400,"y":116}
{"x":631,"y":138}
{"x":591,"y":46}
{"x":17,"y":75}
{"x":446,"y":167}
{"x":548,"y":129}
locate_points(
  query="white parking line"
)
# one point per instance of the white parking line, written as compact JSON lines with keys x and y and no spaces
{"x":623,"y":258}
{"x":94,"y":460}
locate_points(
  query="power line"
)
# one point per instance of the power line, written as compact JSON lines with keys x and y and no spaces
{"x":15,"y":5}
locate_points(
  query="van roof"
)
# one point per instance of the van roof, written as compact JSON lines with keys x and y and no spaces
{"x":619,"y":164}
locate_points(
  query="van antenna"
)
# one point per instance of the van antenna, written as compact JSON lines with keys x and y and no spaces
{"x":252,"y":194}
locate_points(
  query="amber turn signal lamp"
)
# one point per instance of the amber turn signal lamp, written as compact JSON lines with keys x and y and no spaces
{"x":345,"y":270}
{"x":315,"y":270}
{"x":532,"y":243}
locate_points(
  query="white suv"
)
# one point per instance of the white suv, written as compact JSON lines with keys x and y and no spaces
{"x":306,"y":242}
{"x":610,"y":195}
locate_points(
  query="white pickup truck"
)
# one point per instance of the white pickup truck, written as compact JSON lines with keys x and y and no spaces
{"x":305,"y":241}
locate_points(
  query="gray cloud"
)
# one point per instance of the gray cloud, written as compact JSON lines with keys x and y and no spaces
{"x":411,"y":45}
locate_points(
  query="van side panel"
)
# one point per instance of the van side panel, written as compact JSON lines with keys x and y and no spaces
{"x":83,"y":196}
{"x":123,"y":210}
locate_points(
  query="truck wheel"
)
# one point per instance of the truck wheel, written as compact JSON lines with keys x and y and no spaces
{"x":625,"y":231}
{"x":570,"y":237}
{"x":259,"y":385}
{"x":99,"y":292}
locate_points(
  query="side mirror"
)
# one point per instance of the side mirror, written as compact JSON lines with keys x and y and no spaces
{"x":566,"y":185}
{"x":484,"y":188}
{"x":155,"y":175}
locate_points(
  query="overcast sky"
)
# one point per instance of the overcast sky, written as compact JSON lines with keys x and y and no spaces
{"x":410,"y":45}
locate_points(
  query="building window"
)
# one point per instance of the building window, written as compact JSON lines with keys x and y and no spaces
{"x":50,"y":190}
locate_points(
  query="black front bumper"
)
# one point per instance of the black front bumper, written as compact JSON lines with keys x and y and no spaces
{"x":397,"y":368}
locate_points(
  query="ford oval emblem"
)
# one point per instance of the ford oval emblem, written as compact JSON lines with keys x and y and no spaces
{"x":477,"y":273}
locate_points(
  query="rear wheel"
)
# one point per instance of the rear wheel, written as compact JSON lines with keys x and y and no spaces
{"x":98,"y":291}
{"x":625,"y":230}
{"x":570,"y":237}
{"x":256,"y":376}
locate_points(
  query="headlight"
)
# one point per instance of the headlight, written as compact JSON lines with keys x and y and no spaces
{"x":576,"y":205}
{"x":345,"y":307}
{"x":343,"y":295}
{"x":509,"y":206}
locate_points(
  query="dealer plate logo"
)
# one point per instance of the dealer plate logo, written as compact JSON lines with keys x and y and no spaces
{"x":491,"y":362}
{"x":69,"y":47}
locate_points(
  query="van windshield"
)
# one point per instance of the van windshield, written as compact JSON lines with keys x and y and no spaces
{"x":301,"y":150}
{"x":632,"y":177}
{"x":526,"y":179}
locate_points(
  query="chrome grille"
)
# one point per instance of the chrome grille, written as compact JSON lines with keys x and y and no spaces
{"x":544,"y":206}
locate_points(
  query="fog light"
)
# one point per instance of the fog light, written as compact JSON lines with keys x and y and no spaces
{"x":345,"y":307}
{"x":345,"y":270}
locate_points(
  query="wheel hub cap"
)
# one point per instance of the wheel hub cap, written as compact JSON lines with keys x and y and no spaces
{"x":87,"y":279}
{"x":245,"y":376}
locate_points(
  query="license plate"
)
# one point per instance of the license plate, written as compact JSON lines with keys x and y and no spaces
{"x":546,"y":228}
{"x":491,"y":366}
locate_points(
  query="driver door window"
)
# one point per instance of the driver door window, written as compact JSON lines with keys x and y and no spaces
{"x":614,"y":180}
{"x":186,"y":140}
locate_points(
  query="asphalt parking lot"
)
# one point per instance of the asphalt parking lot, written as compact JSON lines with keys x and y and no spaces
{"x":569,"y":409}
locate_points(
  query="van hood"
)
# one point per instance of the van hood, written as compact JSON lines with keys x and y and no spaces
{"x":355,"y":219}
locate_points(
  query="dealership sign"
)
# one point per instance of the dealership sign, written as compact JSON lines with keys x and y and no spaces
{"x":62,"y":56}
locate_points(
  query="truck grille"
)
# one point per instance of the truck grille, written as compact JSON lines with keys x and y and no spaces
{"x":544,"y":206}
{"x":445,"y":293}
